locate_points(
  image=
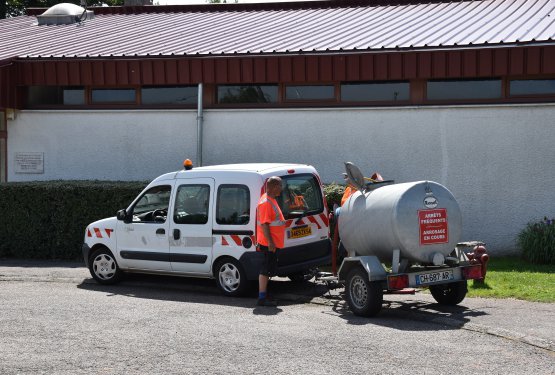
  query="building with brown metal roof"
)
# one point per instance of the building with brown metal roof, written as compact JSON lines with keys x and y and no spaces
{"x":458,"y":92}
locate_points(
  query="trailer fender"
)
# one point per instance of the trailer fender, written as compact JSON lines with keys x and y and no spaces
{"x":370,"y":263}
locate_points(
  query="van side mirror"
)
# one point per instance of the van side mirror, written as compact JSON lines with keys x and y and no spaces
{"x":121,"y":215}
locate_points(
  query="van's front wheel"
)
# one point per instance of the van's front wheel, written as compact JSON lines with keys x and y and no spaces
{"x":230,"y":277}
{"x":103,"y":266}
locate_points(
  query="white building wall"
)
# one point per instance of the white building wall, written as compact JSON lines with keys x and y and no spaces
{"x":496,"y":160}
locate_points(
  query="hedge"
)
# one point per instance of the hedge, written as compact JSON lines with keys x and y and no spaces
{"x":47,"y":220}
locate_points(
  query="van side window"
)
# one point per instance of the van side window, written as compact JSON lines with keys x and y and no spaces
{"x":233,"y":205}
{"x":191,"y":204}
{"x":153,"y":205}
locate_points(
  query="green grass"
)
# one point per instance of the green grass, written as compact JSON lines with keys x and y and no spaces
{"x":516,"y":278}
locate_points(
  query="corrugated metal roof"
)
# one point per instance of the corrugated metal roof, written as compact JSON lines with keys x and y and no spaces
{"x":337,"y":26}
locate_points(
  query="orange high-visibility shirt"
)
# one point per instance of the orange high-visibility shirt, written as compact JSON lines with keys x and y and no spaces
{"x":268,"y":212}
{"x":348,"y":192}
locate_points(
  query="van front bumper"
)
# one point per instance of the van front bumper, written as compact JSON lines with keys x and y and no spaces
{"x":86,"y":252}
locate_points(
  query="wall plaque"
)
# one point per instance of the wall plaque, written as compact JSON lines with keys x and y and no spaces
{"x":29,"y":162}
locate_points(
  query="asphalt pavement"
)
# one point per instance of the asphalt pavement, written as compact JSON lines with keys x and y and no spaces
{"x":530,"y":323}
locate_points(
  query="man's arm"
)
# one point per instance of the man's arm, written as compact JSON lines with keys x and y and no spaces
{"x":266,"y":230}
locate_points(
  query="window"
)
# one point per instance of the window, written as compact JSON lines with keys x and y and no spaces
{"x":191,"y":204}
{"x":468,"y":89}
{"x":324,"y":92}
{"x":73,"y":96}
{"x":169,"y":95}
{"x":301,"y":194}
{"x":153,"y":205}
{"x":248,"y":94}
{"x":106,"y":96}
{"x":3,"y":176}
{"x":374,"y":92}
{"x":54,"y":95}
{"x":233,"y":206}
{"x":532,"y":87}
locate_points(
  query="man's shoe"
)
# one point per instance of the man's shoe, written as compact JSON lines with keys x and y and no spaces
{"x":266,"y":302}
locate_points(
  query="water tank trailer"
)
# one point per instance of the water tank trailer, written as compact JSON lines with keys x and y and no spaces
{"x":404,"y":236}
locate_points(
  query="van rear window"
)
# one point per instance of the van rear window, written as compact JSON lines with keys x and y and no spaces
{"x":301,"y":195}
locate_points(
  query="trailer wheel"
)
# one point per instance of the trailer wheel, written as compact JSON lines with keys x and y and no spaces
{"x":449,"y":294}
{"x":364,"y":297}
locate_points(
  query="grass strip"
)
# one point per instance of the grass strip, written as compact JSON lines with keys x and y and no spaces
{"x":511,"y":277}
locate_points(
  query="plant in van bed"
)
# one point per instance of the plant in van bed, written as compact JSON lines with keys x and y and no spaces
{"x":537,"y":241}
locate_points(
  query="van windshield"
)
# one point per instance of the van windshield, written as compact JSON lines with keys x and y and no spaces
{"x":300,"y":196}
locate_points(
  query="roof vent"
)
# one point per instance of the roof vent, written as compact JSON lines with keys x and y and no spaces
{"x":63,"y":14}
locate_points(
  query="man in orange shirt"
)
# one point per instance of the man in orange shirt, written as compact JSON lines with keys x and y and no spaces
{"x":270,"y":233}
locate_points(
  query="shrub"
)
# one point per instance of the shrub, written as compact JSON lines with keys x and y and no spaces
{"x":47,"y":220}
{"x":537,"y":241}
{"x":333,"y":193}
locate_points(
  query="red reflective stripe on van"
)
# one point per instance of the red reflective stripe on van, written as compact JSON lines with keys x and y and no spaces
{"x":109,"y":232}
{"x":300,"y":221}
{"x":224,"y":242}
{"x":97,"y":232}
{"x":288,"y":223}
{"x":325,"y":220}
{"x":314,"y":221}
{"x":89,"y":233}
{"x":236,"y":239}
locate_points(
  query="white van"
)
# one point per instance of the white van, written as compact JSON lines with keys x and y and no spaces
{"x":202,"y":222}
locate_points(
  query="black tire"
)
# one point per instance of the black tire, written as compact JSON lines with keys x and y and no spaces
{"x":364,"y":297}
{"x":104,"y":267}
{"x":449,"y":294}
{"x":301,"y":277}
{"x":231,"y":277}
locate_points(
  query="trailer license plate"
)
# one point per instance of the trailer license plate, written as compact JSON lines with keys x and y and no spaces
{"x":434,"y":277}
{"x":299,"y":232}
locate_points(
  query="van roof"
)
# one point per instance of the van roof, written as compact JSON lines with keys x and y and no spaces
{"x":262,"y":169}
{"x":252,"y":167}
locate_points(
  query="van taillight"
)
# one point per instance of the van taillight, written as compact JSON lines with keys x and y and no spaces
{"x":290,"y":171}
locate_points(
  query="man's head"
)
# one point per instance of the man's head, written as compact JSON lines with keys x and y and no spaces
{"x":273,"y":186}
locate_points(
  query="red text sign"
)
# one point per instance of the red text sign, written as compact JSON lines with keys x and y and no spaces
{"x":433,"y":226}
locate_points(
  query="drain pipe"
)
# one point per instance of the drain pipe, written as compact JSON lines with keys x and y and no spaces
{"x":199,"y":126}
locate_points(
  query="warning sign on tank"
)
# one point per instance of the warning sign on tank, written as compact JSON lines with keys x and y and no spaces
{"x":433,"y":226}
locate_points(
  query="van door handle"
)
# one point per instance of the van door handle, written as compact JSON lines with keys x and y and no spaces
{"x":176,"y":234}
{"x":160,"y":231}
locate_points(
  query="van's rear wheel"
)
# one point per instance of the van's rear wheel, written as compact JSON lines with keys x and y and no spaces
{"x":231,"y":278}
{"x":103,"y":266}
{"x":449,"y":294}
{"x":364,"y":297}
{"x":301,"y":277}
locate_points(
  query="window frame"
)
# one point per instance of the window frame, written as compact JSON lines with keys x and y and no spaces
{"x":251,"y":104}
{"x":454,"y":101}
{"x":217,"y":208}
{"x":376,"y":102}
{"x":178,"y":187}
{"x":131,"y":210}
{"x":333,"y":99}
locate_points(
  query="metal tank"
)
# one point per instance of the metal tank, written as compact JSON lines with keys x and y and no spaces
{"x":422,"y":219}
